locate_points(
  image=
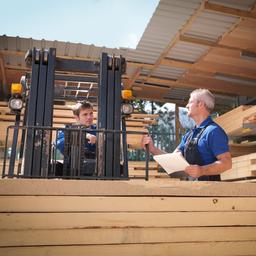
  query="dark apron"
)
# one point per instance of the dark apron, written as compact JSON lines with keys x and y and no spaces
{"x":193,"y":157}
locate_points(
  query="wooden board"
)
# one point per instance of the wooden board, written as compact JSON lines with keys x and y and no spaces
{"x":151,"y":249}
{"x":86,"y":203}
{"x":126,"y":218}
{"x":233,"y":121}
{"x":90,"y":236}
{"x":162,"y":187}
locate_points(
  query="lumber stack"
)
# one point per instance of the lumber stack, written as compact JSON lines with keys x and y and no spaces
{"x":53,"y":218}
{"x":62,"y":115}
{"x":242,"y":167}
{"x":138,"y":122}
{"x":137,"y":170}
{"x":239,"y":121}
{"x":244,"y":148}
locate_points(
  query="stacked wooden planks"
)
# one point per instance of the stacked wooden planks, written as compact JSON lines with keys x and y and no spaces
{"x":238,"y":123}
{"x":138,"y":122}
{"x":242,"y":167}
{"x":235,"y":122}
{"x":244,"y":148}
{"x":62,"y":115}
{"x":137,"y":170}
{"x":160,"y":217}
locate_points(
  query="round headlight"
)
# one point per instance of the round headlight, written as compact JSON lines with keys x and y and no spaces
{"x":127,"y":108}
{"x":15,"y":104}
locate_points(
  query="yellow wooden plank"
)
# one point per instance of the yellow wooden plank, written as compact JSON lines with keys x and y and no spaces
{"x":124,"y":188}
{"x":177,"y":249}
{"x":125,"y":236}
{"x":10,"y":221}
{"x":122,"y":204}
{"x":232,"y":123}
{"x":141,"y":163}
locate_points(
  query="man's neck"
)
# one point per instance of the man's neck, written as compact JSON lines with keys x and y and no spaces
{"x":199,"y":119}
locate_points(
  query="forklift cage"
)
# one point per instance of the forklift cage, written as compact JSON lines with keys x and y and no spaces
{"x":38,"y":117}
{"x":15,"y":168}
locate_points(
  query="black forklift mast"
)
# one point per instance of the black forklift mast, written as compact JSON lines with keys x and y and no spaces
{"x":37,"y":157}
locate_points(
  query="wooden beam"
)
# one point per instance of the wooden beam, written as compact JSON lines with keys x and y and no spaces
{"x":232,"y":58}
{"x":16,"y":67}
{"x":121,"y":188}
{"x":134,"y":77}
{"x":205,"y":42}
{"x":2,"y":67}
{"x":49,"y":204}
{"x":4,"y":78}
{"x":210,"y":66}
{"x":228,"y":10}
{"x":176,"y":63}
{"x":125,"y":219}
{"x":213,"y":84}
{"x":147,"y":249}
{"x":200,"y":41}
{"x":123,"y":236}
{"x":206,"y":81}
{"x":164,"y":61}
{"x":139,"y":64}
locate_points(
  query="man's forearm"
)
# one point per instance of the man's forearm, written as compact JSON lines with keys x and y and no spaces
{"x":156,"y":151}
{"x":216,"y":168}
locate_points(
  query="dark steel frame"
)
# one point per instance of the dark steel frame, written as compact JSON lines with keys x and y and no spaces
{"x":36,"y":135}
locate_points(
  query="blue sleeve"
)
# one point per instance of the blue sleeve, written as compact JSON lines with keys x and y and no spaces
{"x":218,"y":141}
{"x":88,"y":146}
{"x":60,"y":142}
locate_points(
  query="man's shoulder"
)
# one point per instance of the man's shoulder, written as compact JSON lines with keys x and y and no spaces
{"x":214,"y":128}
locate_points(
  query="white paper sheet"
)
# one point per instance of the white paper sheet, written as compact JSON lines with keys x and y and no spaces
{"x":172,"y":162}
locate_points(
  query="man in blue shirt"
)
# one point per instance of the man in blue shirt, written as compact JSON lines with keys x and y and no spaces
{"x":83,"y":113}
{"x":206,"y":146}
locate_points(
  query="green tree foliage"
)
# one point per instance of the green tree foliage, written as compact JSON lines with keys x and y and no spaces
{"x":163,"y":133}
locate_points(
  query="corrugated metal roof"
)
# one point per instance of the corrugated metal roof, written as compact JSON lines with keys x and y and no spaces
{"x":187,"y":51}
{"x":245,"y":5}
{"x":63,"y":48}
{"x":178,"y":94}
{"x":173,"y":14}
{"x":210,"y":26}
{"x":168,"y":72}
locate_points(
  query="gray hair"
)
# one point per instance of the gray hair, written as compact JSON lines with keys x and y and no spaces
{"x":205,"y":96}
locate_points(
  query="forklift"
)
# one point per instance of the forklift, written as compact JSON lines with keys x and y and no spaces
{"x":37,"y":151}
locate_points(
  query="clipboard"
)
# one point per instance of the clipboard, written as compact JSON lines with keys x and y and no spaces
{"x":172,"y":162}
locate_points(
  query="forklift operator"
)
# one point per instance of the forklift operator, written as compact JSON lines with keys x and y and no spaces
{"x":206,"y":146}
{"x":83,"y":113}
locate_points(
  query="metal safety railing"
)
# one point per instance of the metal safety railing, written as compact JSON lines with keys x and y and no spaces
{"x":33,"y":152}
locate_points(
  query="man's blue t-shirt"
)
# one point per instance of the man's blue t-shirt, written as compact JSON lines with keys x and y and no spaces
{"x":212,"y":142}
{"x":88,"y":146}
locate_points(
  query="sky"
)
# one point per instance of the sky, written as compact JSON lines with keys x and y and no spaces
{"x":109,"y":23}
